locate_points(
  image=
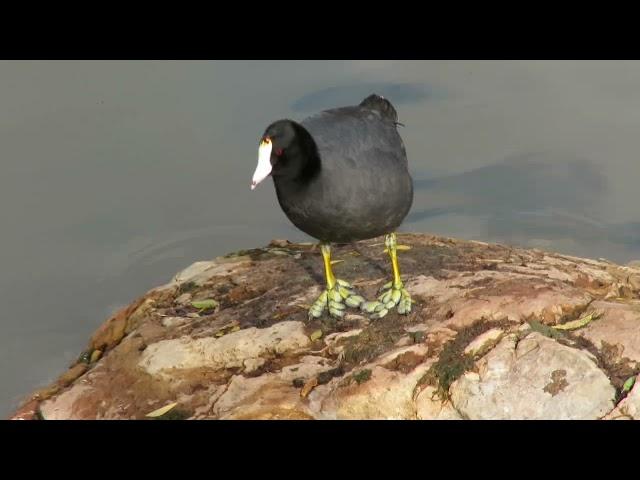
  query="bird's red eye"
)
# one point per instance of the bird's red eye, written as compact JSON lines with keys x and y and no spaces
{"x":279,"y":152}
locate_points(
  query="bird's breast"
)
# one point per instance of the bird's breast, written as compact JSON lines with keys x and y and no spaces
{"x":348,"y":207}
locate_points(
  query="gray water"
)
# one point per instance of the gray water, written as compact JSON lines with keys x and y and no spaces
{"x":115,"y":175}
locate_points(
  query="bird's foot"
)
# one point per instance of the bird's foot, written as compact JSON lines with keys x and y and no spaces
{"x":336,"y":299}
{"x":391,"y":295}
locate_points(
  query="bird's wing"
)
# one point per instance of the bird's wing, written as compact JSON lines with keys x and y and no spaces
{"x":357,"y":137}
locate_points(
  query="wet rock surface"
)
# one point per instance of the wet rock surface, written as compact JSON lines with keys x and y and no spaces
{"x":229,"y":338}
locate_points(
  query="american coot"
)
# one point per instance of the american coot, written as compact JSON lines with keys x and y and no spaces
{"x":340,"y":176}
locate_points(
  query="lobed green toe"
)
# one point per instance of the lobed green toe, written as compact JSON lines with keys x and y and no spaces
{"x":336,"y":300}
{"x":391,"y":296}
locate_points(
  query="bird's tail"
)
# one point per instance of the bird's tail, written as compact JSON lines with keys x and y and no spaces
{"x":381,"y":105}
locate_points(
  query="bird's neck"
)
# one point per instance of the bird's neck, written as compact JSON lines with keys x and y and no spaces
{"x":301,"y":180}
{"x":310,"y":168}
{"x":308,"y":156}
{"x":303,"y":162}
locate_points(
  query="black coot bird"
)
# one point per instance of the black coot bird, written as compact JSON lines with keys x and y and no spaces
{"x":341,"y":176}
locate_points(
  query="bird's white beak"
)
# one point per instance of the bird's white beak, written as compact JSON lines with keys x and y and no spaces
{"x":263,"y":170}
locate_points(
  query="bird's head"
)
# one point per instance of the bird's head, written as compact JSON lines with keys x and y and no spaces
{"x":272,"y":159}
{"x":286,"y":149}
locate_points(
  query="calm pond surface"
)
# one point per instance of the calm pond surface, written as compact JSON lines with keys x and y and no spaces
{"x":115,"y":175}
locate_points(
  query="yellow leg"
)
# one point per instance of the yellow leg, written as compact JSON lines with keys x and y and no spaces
{"x":393,"y":293}
{"x":328,"y":271}
{"x":391,"y":243}
{"x":338,"y":295}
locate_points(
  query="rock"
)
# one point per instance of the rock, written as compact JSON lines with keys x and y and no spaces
{"x":246,"y":397}
{"x":535,"y":378}
{"x":144,"y":310}
{"x":404,"y":341}
{"x":305,"y":298}
{"x":68,"y":405}
{"x":46,"y":392}
{"x":184,"y":299}
{"x":438,"y":336}
{"x":501,"y":295}
{"x":629,"y":407}
{"x":228,"y":351}
{"x":619,"y":326}
{"x":357,"y":319}
{"x":443,"y":290}
{"x":483,"y":341}
{"x":112,"y":331}
{"x":382,"y":389}
{"x":280,"y":243}
{"x":28,"y":411}
{"x":253,"y":364}
{"x":386,"y":395}
{"x":429,"y":407}
{"x":214,"y":392}
{"x":551,"y":307}
{"x":308,"y":366}
{"x":390,"y":357}
{"x":170,"y":322}
{"x":200,"y":272}
{"x":70,"y":375}
{"x":469,"y":335}
{"x":634,"y":281}
{"x":195,"y":270}
{"x":335,"y":342}
{"x":270,"y":395}
{"x":421,"y":327}
{"x":334,"y":338}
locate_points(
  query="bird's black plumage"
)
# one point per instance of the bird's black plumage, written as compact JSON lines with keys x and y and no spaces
{"x":342,"y":175}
